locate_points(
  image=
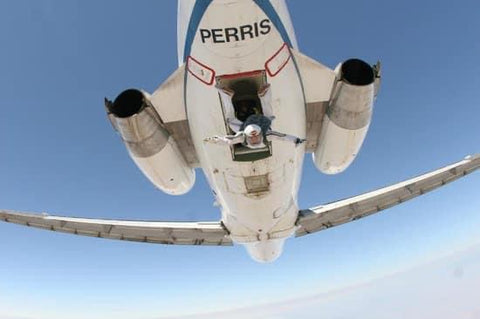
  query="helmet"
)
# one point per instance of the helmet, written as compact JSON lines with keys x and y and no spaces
{"x":253,"y":136}
{"x":252,"y":130}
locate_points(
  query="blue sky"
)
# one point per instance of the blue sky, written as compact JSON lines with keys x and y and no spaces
{"x":59,"y":154}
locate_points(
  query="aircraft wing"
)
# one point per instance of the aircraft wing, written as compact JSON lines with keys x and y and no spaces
{"x":174,"y":233}
{"x":350,"y":209}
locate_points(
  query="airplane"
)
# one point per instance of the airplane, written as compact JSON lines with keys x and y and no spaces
{"x":245,"y":106}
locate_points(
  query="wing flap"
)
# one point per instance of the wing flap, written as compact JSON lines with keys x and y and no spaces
{"x":173,"y":233}
{"x":350,"y":209}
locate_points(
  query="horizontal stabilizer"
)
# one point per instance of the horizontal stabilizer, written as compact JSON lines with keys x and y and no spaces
{"x":317,"y":79}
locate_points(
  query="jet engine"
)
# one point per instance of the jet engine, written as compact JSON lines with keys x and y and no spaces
{"x":149,"y":144}
{"x":347,"y":117}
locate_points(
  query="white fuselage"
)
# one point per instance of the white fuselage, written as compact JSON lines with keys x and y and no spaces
{"x":225,"y":37}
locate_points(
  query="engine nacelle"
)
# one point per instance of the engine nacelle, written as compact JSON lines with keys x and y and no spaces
{"x":347,"y":117}
{"x":148,"y":142}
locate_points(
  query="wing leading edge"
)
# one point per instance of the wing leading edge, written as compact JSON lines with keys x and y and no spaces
{"x":174,"y":233}
{"x":350,"y":209}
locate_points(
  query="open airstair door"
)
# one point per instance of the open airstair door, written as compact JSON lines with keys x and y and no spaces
{"x":245,"y":102}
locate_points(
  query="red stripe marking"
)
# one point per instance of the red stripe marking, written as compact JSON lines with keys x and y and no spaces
{"x":274,"y":56}
{"x":240,"y":75}
{"x":202,"y":65}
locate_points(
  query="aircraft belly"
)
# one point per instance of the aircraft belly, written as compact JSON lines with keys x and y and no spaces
{"x":258,"y":199}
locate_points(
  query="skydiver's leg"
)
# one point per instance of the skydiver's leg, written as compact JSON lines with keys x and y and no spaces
{"x":265,"y":96}
{"x":227,"y":139}
{"x":226,"y":95}
{"x":235,"y":124}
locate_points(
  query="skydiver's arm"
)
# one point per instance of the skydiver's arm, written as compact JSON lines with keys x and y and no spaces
{"x":234,"y":139}
{"x":285,"y":137}
{"x":227,"y":139}
{"x":226,"y":95}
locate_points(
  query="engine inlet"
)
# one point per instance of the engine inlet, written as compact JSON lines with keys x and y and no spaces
{"x":357,"y":72}
{"x":128,"y":103}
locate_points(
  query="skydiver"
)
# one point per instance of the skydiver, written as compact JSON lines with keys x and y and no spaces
{"x":253,"y":137}
{"x":253,"y":131}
